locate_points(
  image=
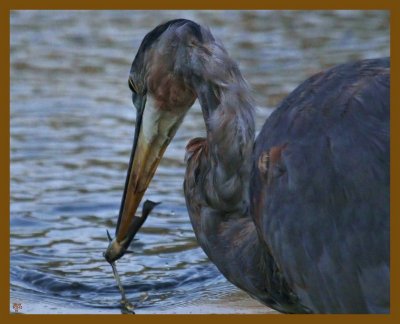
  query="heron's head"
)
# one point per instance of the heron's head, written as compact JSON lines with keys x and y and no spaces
{"x":161,"y":94}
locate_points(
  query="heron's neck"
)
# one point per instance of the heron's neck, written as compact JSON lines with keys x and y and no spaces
{"x":228,"y":115}
{"x":217,"y":181}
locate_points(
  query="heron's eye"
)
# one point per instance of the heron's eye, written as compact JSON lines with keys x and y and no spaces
{"x":132,"y":85}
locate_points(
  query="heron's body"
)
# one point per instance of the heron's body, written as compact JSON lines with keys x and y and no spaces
{"x":299,"y":217}
{"x":316,"y":223}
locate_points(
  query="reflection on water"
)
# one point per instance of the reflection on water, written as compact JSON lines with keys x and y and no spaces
{"x":72,"y":124}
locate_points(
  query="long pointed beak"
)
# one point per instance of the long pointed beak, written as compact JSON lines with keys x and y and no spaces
{"x":154,"y":131}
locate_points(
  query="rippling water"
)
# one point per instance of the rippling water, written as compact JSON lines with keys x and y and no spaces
{"x":72,"y":125}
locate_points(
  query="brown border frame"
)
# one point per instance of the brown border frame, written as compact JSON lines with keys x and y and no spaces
{"x":6,"y":6}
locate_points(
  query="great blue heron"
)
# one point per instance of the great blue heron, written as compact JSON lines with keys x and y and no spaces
{"x":299,"y":217}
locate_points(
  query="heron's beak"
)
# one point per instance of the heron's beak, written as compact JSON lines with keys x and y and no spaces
{"x":154,"y":130}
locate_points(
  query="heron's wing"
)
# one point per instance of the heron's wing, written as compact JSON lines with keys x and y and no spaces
{"x":320,"y":188}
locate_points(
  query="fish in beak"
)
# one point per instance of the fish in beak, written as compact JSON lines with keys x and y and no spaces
{"x":155,"y":127}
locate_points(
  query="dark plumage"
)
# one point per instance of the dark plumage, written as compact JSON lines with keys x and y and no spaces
{"x":323,"y":203}
{"x":299,"y":217}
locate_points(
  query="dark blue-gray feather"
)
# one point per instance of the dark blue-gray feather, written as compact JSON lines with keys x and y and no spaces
{"x":323,"y":206}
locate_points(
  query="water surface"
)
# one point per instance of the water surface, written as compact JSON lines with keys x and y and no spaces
{"x":72,"y":125}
